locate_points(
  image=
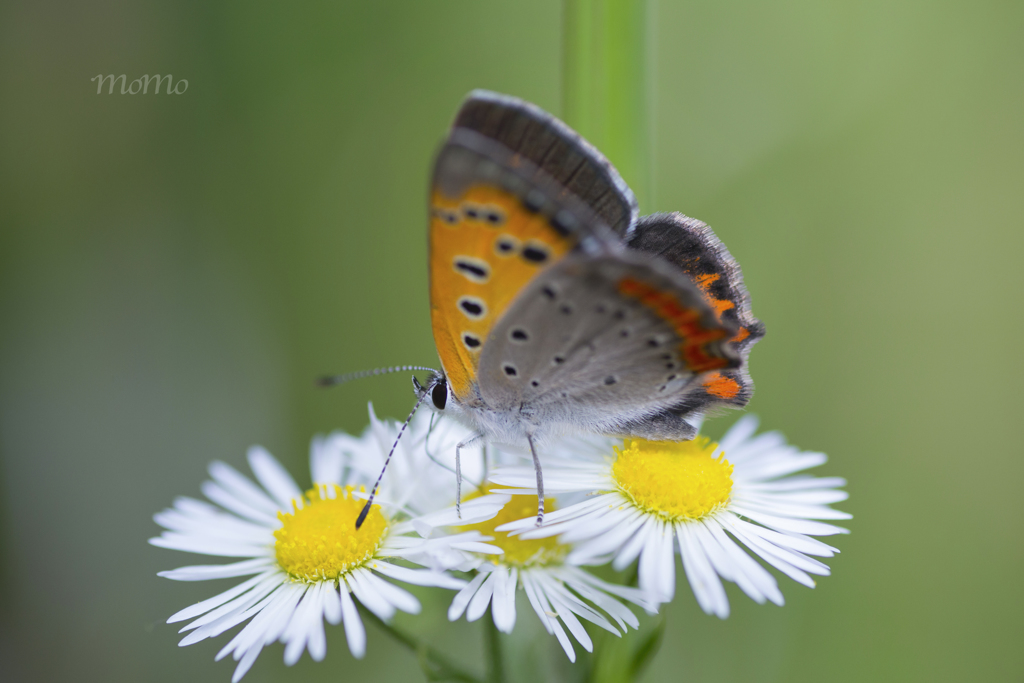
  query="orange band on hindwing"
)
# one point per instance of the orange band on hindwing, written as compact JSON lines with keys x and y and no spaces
{"x":684,"y":320}
{"x":720,"y":386}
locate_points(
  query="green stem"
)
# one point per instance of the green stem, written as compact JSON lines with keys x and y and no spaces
{"x":436,"y":666}
{"x":605,"y":82}
{"x":495,"y":656}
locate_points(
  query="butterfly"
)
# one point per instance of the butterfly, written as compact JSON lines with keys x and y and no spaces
{"x":557,"y":309}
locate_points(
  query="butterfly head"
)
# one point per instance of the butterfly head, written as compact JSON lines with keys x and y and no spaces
{"x":436,"y":391}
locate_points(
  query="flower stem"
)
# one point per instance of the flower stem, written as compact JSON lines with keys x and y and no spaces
{"x":436,"y":666}
{"x":605,"y":82}
{"x":495,"y":656}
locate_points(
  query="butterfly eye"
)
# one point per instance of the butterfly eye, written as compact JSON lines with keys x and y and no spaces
{"x":439,"y":394}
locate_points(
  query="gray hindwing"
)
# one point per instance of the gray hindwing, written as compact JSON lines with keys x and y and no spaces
{"x":575,"y":348}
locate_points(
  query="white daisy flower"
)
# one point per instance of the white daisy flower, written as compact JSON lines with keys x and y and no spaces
{"x":306,"y":558}
{"x":644,"y":499}
{"x":560,"y":592}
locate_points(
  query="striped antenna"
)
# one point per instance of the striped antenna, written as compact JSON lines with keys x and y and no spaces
{"x":369,"y":502}
{"x":335,"y":380}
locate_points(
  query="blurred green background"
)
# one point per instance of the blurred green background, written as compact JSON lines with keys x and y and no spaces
{"x":174,"y":271}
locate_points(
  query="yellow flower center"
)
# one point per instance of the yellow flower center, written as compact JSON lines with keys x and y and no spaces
{"x":319,"y":540}
{"x":519,"y":551}
{"x":673,"y":480}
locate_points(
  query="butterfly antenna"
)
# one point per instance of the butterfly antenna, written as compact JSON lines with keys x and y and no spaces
{"x":335,"y":380}
{"x":373,"y":493}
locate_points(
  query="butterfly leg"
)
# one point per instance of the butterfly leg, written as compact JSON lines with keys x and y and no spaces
{"x":458,"y":471}
{"x":540,"y":481}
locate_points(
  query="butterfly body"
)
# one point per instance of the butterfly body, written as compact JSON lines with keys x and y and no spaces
{"x":555,"y":309}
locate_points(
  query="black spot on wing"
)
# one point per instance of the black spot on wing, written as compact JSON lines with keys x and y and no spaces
{"x":446,"y":215}
{"x":534,"y":252}
{"x":506,"y":245}
{"x":473,"y":307}
{"x":473,"y":269}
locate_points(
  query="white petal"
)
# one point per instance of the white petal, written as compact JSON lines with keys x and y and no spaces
{"x":631,"y":549}
{"x":752,"y":578}
{"x":473,"y":511}
{"x":217,"y":621}
{"x":327,"y":457}
{"x":355,"y":632}
{"x":761,"y":446}
{"x":657,"y":563}
{"x":567,"y":616}
{"x":558,"y":593}
{"x":565,"y":514}
{"x":242,"y":488}
{"x":797,"y":542}
{"x":608,"y":542}
{"x":204,"y":572}
{"x":213,"y":523}
{"x":775,"y":556}
{"x":800,"y":497}
{"x":247,"y":661}
{"x":800,"y":526}
{"x":365,"y":594}
{"x":419,"y":577}
{"x":398,"y":597}
{"x":317,"y":644}
{"x":217,"y":600}
{"x":503,"y":605}
{"x":332,"y":604}
{"x":274,"y":478}
{"x":770,"y":468}
{"x":707,"y":588}
{"x":742,"y":430}
{"x":264,"y":629}
{"x":608,"y":528}
{"x":634,"y":595}
{"x":265,"y":625}
{"x":774,"y":506}
{"x":478,"y":605}
{"x":200,"y":546}
{"x":301,"y":626}
{"x":798,"y":483}
{"x":462,"y":598}
{"x":545,"y":612}
{"x":619,"y":612}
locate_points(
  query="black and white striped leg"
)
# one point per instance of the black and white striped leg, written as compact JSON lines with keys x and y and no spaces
{"x":540,"y":481}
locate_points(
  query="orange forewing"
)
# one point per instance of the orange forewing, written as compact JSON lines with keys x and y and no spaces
{"x":485,"y":246}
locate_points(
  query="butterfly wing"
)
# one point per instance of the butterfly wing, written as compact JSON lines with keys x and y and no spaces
{"x":602,"y":342}
{"x":692,"y":247}
{"x":514,"y":191}
{"x":555,"y":150}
